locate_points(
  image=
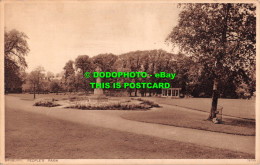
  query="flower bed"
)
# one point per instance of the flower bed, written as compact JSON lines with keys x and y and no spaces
{"x":46,"y":103}
{"x":114,"y":105}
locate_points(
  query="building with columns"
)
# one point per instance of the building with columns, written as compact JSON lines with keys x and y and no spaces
{"x":171,"y":92}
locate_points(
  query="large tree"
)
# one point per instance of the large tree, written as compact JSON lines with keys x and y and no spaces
{"x":15,"y":50}
{"x":69,"y":76}
{"x":220,"y":37}
{"x":84,"y":64}
{"x":36,"y":79}
{"x":55,"y":86}
{"x":106,"y":63}
{"x":149,"y":61}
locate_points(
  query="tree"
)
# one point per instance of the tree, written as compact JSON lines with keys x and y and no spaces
{"x":50,"y":76}
{"x":135,"y":66}
{"x":36,"y":78}
{"x":60,"y":78}
{"x":221,"y":37}
{"x":69,"y":75}
{"x":149,"y":61}
{"x":84,"y":63}
{"x":55,"y":86}
{"x":106,"y":63}
{"x":79,"y":79}
{"x":120,"y":65}
{"x":15,"y":49}
{"x":243,"y":91}
{"x":186,"y":73}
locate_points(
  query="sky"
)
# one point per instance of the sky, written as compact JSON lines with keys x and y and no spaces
{"x":59,"y":32}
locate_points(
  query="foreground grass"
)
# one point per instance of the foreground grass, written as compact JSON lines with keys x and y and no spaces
{"x":170,"y":115}
{"x":34,"y":136}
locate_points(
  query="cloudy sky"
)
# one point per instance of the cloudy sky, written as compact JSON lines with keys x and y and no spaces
{"x":59,"y":32}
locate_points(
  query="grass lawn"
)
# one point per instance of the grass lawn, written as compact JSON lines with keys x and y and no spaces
{"x":241,"y":108}
{"x":232,"y":107}
{"x":35,"y":136}
{"x":28,"y":96}
{"x":174,"y":116}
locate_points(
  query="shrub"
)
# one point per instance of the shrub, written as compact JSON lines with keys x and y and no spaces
{"x":53,"y":99}
{"x":148,"y":102}
{"x":46,"y":103}
{"x":77,"y":98}
{"x":151,"y":103}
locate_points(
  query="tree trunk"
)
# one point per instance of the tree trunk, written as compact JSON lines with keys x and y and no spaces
{"x":150,"y":92}
{"x":218,"y":66}
{"x":34,"y":92}
{"x":85,"y":86}
{"x":214,"y":101}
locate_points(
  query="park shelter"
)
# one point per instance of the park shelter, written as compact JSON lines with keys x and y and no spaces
{"x":171,"y":92}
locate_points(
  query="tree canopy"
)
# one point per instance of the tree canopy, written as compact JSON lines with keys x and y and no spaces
{"x":15,"y":50}
{"x":218,"y":34}
{"x":36,"y":79}
{"x":221,"y":38}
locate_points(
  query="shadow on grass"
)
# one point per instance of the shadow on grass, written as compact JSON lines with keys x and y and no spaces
{"x":194,"y":120}
{"x":239,"y":123}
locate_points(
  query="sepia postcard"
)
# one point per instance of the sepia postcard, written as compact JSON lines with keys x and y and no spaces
{"x":129,"y":82}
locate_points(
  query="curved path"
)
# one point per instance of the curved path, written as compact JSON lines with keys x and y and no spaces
{"x":111,"y":119}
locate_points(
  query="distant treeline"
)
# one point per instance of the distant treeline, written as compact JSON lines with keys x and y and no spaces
{"x":194,"y":79}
